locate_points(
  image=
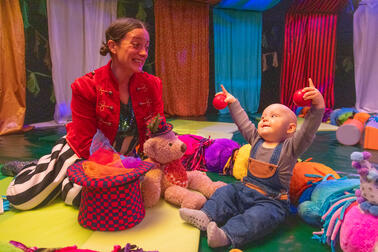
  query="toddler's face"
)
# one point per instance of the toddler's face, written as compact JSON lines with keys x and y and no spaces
{"x":276,"y":122}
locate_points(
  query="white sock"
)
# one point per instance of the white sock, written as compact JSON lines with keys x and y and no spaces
{"x":216,"y":237}
{"x":195,"y":217}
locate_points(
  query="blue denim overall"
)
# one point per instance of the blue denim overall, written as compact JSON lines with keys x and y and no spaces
{"x":247,"y":214}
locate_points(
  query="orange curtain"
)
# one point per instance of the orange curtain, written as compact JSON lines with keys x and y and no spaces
{"x":12,"y":67}
{"x":182,"y":55}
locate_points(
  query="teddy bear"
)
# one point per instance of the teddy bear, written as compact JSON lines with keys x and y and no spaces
{"x":169,"y":179}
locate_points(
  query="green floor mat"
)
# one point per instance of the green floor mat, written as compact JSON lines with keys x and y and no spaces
{"x":204,"y":128}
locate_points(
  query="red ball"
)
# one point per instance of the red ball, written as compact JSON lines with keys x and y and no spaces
{"x":298,"y":99}
{"x":218,"y":102}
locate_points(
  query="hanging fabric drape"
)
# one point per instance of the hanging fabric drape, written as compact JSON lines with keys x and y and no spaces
{"x":309,"y":48}
{"x":182,"y":55}
{"x":255,"y":5}
{"x":12,"y":67}
{"x":76,"y":32}
{"x":366,"y":55}
{"x":237,"y":55}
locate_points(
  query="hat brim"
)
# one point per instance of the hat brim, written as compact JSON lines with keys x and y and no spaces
{"x":76,"y":175}
{"x":167,"y":129}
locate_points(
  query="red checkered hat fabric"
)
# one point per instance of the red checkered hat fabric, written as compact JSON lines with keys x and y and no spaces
{"x":111,"y":203}
{"x":162,"y":128}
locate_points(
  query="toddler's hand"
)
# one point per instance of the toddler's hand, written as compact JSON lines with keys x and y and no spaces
{"x":229,"y":98}
{"x":311,"y":93}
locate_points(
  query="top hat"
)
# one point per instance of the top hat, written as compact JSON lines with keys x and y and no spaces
{"x":157,"y":126}
{"x":110,"y":203}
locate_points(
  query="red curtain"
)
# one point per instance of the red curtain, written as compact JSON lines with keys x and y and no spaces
{"x":309,"y":48}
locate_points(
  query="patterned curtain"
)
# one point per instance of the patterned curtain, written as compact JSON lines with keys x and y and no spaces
{"x":309,"y":48}
{"x":12,"y":67}
{"x":182,"y":55}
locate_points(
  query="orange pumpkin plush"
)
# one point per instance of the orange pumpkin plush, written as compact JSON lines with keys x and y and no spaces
{"x":304,"y":175}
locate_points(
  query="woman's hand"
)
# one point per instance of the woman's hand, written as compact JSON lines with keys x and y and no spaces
{"x":229,"y":98}
{"x":313,"y":94}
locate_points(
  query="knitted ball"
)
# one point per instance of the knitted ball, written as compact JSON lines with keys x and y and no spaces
{"x":359,"y":232}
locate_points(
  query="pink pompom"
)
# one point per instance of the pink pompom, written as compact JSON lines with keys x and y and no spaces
{"x":359,"y":231}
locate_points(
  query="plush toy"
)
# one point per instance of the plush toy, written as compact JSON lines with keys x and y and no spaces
{"x":367,"y":196}
{"x":359,"y":231}
{"x":207,"y":154}
{"x":306,"y":175}
{"x":323,"y":196}
{"x":170,"y":179}
{"x":194,"y":157}
{"x":351,"y":218}
{"x":237,"y":164}
{"x":218,"y":153}
{"x":339,"y":116}
{"x":15,"y":246}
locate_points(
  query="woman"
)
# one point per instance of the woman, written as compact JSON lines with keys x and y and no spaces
{"x":117,"y":99}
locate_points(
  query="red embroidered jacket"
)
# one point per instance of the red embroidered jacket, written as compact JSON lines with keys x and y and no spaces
{"x":95,"y":105}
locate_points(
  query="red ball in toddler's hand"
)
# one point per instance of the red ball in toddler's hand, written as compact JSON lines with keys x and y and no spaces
{"x":298,"y":99}
{"x":218,"y":101}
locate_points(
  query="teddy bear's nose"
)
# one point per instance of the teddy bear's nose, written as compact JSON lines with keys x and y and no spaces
{"x":183,"y":147}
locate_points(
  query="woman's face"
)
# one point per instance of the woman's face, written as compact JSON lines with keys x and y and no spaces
{"x":132,"y":51}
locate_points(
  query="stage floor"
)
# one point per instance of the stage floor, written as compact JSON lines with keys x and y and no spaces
{"x":294,"y":235}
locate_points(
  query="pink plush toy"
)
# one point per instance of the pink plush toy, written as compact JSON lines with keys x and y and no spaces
{"x":359,"y":231}
{"x":170,"y":179}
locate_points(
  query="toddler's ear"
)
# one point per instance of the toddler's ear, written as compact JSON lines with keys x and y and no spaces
{"x":292,"y":128}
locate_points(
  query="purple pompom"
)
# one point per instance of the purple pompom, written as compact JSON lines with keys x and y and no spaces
{"x":366,"y":155}
{"x":360,"y":200}
{"x":358,"y":192}
{"x":130,"y":162}
{"x":218,"y":153}
{"x":356,"y":165}
{"x":363,"y":171}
